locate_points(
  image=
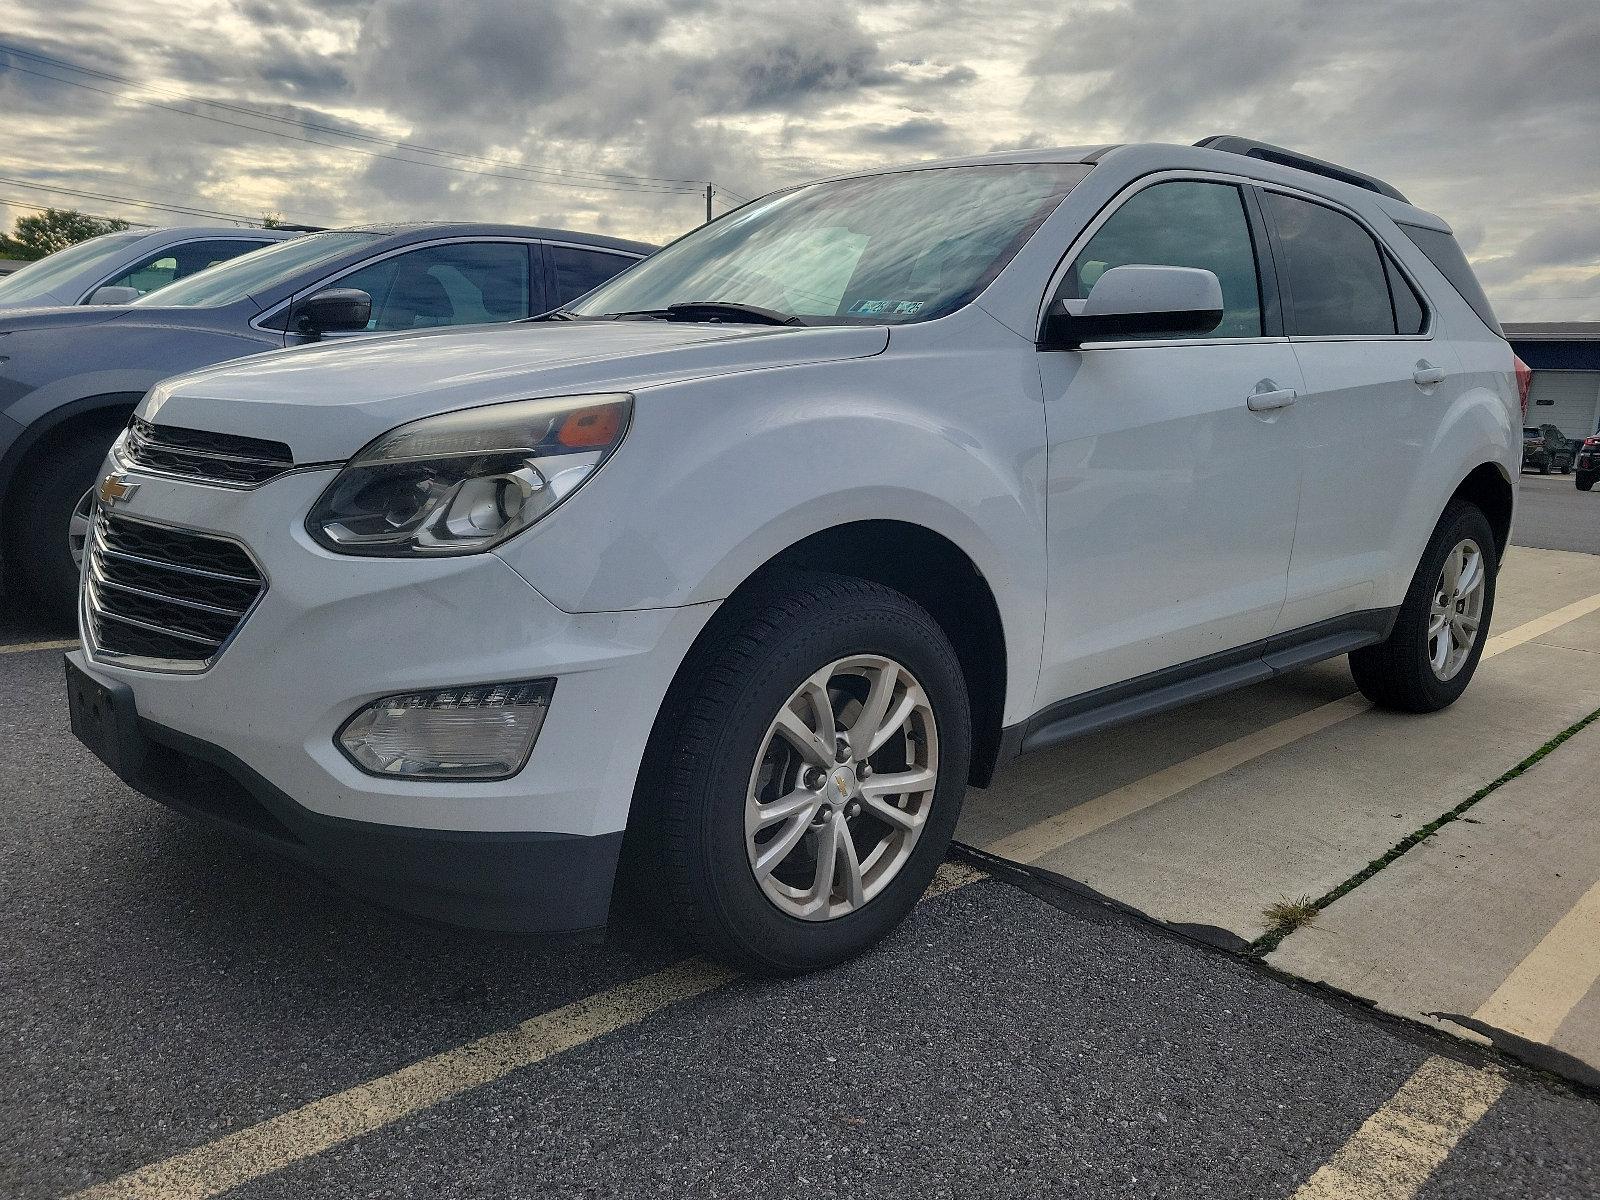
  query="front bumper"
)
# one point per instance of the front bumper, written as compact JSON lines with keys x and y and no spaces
{"x":522,"y":882}
{"x":331,"y":633}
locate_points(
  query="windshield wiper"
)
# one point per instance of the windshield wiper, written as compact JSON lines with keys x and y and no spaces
{"x":712,"y":310}
{"x":555,"y":314}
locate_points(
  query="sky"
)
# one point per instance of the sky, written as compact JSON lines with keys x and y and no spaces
{"x":603,"y":114}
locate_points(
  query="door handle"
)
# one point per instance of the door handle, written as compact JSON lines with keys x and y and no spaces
{"x":1267,"y":401}
{"x":1426,"y":374}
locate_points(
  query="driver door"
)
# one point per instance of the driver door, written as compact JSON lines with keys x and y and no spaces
{"x":1172,"y":501}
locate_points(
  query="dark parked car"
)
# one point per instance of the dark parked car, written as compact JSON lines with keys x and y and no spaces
{"x":69,"y":377}
{"x":1587,"y":467}
{"x":1545,"y":448}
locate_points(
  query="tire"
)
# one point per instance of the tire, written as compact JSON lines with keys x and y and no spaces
{"x":1398,"y":673}
{"x":1584,"y":482}
{"x":715,"y":747}
{"x":1544,"y":467}
{"x":41,"y":559}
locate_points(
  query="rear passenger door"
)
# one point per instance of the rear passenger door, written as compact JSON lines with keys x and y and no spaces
{"x":1375,"y":382}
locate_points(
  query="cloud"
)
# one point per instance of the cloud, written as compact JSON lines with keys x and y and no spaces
{"x":1480,"y":110}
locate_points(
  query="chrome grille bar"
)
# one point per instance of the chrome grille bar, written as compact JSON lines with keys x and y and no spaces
{"x":227,"y":460}
{"x":147,"y":603}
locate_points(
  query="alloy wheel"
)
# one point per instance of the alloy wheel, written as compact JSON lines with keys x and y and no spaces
{"x":1457,"y":609}
{"x":842,"y":787}
{"x":78,"y":526}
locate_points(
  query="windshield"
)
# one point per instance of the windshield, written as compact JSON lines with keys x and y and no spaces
{"x":257,"y":271}
{"x":38,"y":278}
{"x":907,"y":246}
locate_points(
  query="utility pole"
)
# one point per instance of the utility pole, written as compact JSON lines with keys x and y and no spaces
{"x":708,"y":203}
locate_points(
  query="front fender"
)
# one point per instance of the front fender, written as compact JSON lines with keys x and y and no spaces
{"x":717,"y":477}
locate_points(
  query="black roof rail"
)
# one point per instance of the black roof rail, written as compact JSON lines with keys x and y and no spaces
{"x":1304,"y":162}
{"x":300,"y":228}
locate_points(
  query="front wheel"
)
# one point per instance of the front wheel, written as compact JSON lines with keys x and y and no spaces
{"x":812,"y":760}
{"x":1584,"y":482}
{"x":1438,"y":635}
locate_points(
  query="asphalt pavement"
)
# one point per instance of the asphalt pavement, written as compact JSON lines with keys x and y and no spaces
{"x":1552,"y":514}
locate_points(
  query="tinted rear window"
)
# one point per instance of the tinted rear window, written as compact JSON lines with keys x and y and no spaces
{"x":1337,"y":285}
{"x":1444,"y":252}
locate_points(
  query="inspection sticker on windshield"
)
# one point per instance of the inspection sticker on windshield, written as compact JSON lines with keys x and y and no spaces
{"x":876,"y":308}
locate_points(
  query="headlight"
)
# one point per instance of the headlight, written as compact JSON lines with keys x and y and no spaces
{"x":465,"y":481}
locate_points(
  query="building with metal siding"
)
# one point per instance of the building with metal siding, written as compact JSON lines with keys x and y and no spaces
{"x":1565,"y":357}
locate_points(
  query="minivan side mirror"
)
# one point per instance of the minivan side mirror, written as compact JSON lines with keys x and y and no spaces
{"x":1136,"y":301}
{"x":113,"y":295}
{"x":333,"y":310}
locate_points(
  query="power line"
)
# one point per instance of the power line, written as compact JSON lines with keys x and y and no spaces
{"x":356,"y":135}
{"x":12,"y":203}
{"x":558,"y":176}
{"x":185,"y":210}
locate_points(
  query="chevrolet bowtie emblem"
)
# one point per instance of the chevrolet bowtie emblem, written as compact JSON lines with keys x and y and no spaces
{"x":114,"y":489}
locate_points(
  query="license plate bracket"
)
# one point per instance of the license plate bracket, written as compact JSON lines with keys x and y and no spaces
{"x":105,"y":720}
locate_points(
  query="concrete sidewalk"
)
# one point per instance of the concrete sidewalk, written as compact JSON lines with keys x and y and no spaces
{"x":1492,"y":919}
{"x":1213,"y":812}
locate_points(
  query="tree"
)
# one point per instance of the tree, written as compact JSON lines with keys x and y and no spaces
{"x":54,"y":229}
{"x":271,"y":220}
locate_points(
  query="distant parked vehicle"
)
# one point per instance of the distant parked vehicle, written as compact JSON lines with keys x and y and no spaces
{"x":1545,"y":448}
{"x":118,"y":268}
{"x":1587,"y":467}
{"x":69,"y":377}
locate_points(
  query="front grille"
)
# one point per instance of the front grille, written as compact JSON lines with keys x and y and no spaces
{"x":223,"y":458}
{"x":161,"y":593}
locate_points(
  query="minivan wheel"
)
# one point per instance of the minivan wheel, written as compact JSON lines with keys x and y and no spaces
{"x":813,"y":756}
{"x":1433,"y":650}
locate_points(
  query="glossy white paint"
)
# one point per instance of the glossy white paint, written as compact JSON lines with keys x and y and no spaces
{"x":1127,"y":508}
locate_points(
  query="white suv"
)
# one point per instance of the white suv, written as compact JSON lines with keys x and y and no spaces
{"x":752,"y":559}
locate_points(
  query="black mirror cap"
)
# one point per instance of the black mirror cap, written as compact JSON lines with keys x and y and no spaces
{"x":333,"y":310}
{"x":1064,"y":331}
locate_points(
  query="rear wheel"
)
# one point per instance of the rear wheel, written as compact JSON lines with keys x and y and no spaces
{"x":1433,"y":650}
{"x":811,"y":763}
{"x":1584,"y":482}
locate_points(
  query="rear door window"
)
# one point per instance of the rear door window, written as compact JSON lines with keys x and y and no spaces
{"x":1185,"y":223}
{"x":1334,"y":274}
{"x":578,"y":272}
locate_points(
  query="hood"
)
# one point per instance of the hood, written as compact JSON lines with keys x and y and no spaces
{"x":329,"y":400}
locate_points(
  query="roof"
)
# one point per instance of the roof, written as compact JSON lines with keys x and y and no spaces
{"x":480,"y":229}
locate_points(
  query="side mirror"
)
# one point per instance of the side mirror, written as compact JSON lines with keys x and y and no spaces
{"x":334,"y":310}
{"x":113,"y":295}
{"x":1136,"y":301}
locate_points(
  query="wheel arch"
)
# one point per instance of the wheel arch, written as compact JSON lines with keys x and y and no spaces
{"x":1488,"y":487}
{"x":56,"y":427}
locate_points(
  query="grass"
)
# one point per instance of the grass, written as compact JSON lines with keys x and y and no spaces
{"x":1289,"y":915}
{"x":1286,"y":916}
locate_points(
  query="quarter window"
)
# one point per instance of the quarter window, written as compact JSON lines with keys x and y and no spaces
{"x":1409,"y":315}
{"x":462,"y":283}
{"x":579,"y":272}
{"x":1186,"y":223}
{"x":1335,"y":274}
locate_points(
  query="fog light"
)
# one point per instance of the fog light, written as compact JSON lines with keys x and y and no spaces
{"x":485,"y":731}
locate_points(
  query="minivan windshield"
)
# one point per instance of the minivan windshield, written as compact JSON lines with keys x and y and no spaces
{"x":881,"y":249}
{"x":258,"y":271}
{"x":43,"y":276}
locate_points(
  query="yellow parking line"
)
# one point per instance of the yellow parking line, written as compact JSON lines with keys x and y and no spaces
{"x":24,"y":647}
{"x":1402,"y":1144}
{"x":1547,"y":985}
{"x":1398,"y":1147}
{"x":1037,"y":840}
{"x":300,"y":1133}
